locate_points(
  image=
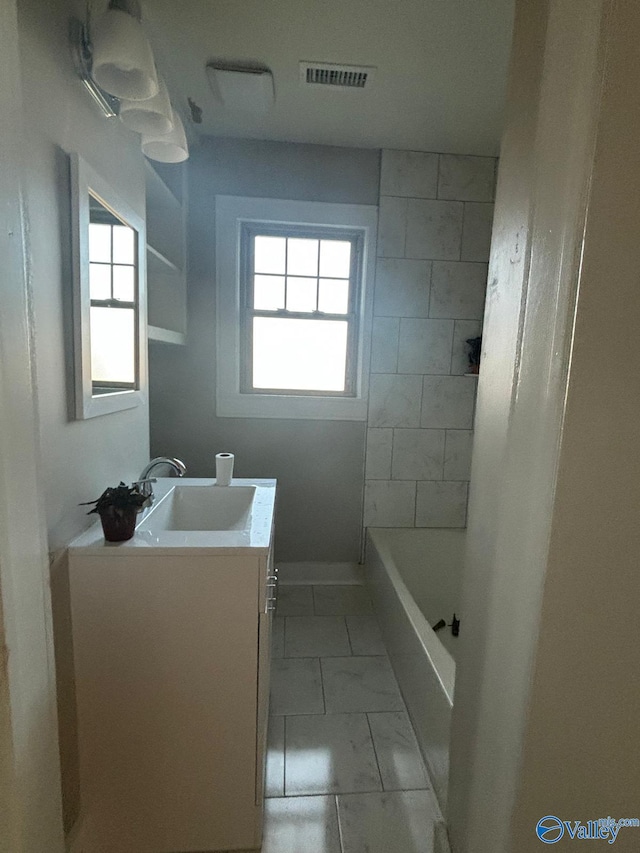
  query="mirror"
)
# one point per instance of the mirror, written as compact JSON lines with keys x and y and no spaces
{"x":109,"y":304}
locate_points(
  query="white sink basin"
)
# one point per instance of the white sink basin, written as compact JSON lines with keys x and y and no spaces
{"x":202,"y":508}
{"x":194,"y":515}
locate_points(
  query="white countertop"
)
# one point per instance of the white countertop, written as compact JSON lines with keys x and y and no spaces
{"x":255,"y":540}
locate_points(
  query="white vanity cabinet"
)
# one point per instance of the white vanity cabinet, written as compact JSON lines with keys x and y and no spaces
{"x":172,"y":654}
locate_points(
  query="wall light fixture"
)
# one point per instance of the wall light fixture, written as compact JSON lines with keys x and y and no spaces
{"x":115,"y":62}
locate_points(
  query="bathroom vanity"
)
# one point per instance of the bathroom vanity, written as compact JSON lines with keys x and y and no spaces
{"x":171,"y":638}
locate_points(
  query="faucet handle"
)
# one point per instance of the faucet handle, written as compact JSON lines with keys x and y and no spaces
{"x":146,"y":489}
{"x":146,"y":484}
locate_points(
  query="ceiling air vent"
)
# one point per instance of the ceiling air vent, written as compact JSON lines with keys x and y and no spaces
{"x":337,"y":76}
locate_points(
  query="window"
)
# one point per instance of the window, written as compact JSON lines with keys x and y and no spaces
{"x":112,"y":288}
{"x":300,"y":322}
{"x":293,"y":308}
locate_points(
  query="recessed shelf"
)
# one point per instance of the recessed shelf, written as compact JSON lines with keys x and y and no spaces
{"x":157,"y":262}
{"x":165,"y":220}
{"x":166,"y":256}
{"x":475,"y":375}
{"x":158,"y":188}
{"x":172,"y":175}
{"x":166,"y":336}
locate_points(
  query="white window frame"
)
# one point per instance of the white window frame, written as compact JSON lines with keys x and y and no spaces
{"x":231,"y":213}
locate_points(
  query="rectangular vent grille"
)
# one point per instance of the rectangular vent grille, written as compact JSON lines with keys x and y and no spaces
{"x":340,"y":76}
{"x":324,"y":77}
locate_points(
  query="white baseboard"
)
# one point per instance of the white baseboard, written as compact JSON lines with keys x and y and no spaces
{"x":320,"y":573}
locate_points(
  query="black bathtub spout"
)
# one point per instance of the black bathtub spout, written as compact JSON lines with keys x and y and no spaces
{"x":439,"y":625}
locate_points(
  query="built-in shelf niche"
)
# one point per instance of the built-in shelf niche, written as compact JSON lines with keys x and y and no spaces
{"x":166,"y":253}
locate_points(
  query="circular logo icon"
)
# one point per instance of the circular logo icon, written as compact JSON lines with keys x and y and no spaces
{"x":550,"y":829}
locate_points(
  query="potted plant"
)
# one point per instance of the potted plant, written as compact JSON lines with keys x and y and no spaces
{"x":118,"y":507}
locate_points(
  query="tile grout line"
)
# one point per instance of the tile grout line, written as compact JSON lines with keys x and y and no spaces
{"x":349,"y":794}
{"x":338,"y":657}
{"x":431,"y":263}
{"x":339,"y":822}
{"x":284,"y":756}
{"x":375,"y":752}
{"x":393,"y":444}
{"x":444,"y":457}
{"x":406,"y":227}
{"x":453,"y":344}
{"x":346,"y":626}
{"x":453,"y":339}
{"x":324,"y":702}
{"x":399,"y":319}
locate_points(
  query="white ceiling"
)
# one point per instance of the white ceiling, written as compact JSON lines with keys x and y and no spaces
{"x":439,"y":85}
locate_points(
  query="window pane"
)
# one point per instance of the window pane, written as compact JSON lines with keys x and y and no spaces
{"x":335,"y":258}
{"x":113,"y":345}
{"x":100,"y":281}
{"x":124,"y":283}
{"x":333,"y":297}
{"x":123,"y":244}
{"x":100,"y":243}
{"x":302,"y":257}
{"x":269,"y":255}
{"x":301,"y":294}
{"x":268,"y":292}
{"x":304,"y":355}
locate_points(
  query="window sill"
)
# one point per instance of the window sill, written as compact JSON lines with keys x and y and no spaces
{"x":288,"y":407}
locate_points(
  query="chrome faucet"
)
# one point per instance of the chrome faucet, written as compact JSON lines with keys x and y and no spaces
{"x":145,"y":482}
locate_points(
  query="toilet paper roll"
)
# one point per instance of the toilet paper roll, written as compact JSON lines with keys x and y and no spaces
{"x":224,"y":468}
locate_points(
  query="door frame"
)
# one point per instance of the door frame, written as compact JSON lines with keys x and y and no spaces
{"x":30,"y":797}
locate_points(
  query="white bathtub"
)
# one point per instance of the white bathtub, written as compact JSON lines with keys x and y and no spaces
{"x":414,"y":577}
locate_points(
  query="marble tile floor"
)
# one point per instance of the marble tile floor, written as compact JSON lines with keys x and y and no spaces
{"x":344,"y":772}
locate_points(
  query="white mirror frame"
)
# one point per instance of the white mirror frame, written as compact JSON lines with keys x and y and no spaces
{"x":85,"y":181}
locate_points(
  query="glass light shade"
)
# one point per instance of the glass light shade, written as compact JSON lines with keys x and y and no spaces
{"x":169,"y":147}
{"x":152,"y":116}
{"x":122,"y":60}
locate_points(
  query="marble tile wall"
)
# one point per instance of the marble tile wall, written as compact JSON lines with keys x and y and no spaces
{"x":436,"y":212}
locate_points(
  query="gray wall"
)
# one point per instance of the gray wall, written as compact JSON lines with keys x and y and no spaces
{"x":79,"y":458}
{"x":319,"y":464}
